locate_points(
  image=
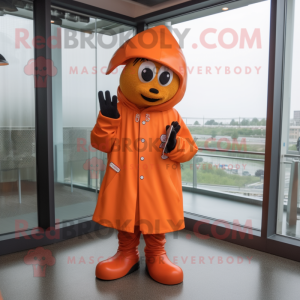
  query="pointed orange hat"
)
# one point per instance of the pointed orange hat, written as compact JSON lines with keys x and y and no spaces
{"x":156,"y":44}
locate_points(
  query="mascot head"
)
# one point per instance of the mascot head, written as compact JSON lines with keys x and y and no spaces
{"x":155,"y":69}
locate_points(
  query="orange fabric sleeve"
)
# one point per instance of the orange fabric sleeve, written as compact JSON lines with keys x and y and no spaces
{"x":186,"y":147}
{"x":104,"y":132}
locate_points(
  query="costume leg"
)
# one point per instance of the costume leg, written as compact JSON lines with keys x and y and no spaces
{"x":159,"y":267}
{"x":125,"y":261}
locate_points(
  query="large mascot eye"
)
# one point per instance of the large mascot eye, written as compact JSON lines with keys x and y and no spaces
{"x":165,"y":76}
{"x":147,"y":71}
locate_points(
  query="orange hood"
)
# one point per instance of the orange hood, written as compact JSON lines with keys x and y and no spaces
{"x":156,"y":44}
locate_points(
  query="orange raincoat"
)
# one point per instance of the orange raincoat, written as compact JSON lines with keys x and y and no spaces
{"x":140,"y":185}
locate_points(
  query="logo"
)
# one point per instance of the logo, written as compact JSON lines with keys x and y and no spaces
{"x":41,"y":68}
{"x":95,"y":165}
{"x":114,"y":167}
{"x":39,"y":258}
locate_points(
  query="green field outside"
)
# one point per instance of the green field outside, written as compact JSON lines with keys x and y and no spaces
{"x":207,"y":174}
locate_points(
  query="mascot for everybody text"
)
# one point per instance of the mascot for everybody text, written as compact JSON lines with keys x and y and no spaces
{"x":141,"y":191}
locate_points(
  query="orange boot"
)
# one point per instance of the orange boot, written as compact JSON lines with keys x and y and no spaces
{"x":125,"y":261}
{"x":158,"y":264}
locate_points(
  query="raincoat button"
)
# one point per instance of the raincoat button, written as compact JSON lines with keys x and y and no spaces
{"x":142,"y":177}
{"x":143,"y":140}
{"x":142,"y":158}
{"x":143,"y":122}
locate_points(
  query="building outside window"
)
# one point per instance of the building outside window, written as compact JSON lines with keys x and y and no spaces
{"x":297,"y":117}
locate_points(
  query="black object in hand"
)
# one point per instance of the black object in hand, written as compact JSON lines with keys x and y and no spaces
{"x":172,"y":139}
{"x":108,"y":107}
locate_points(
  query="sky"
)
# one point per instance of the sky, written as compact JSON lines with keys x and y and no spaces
{"x":228,"y":95}
{"x":234,"y":95}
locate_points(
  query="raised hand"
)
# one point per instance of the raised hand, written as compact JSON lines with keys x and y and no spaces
{"x":172,"y":140}
{"x":108,"y":107}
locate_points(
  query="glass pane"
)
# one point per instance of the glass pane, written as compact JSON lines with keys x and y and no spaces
{"x":74,"y":105}
{"x":81,"y":49}
{"x":288,"y":215}
{"x":18,"y":197}
{"x":187,"y":173}
{"x":109,"y":40}
{"x":227,"y":55}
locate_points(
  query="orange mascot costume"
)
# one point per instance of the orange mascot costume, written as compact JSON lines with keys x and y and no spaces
{"x":141,"y":191}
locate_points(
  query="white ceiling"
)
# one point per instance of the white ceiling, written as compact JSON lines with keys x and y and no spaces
{"x":128,"y":8}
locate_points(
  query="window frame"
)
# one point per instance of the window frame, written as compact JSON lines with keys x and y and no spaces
{"x":265,"y":240}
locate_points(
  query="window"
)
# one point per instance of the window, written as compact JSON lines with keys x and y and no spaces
{"x":227,"y":56}
{"x":18,"y":196}
{"x":81,"y":49}
{"x":289,"y":181}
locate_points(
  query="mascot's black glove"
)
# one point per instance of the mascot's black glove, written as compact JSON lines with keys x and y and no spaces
{"x":108,"y":108}
{"x":172,"y":139}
